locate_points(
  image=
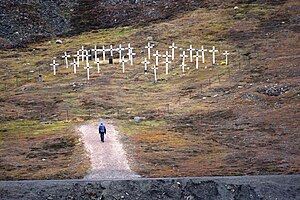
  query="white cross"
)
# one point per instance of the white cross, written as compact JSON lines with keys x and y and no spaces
{"x":87,"y":55}
{"x":123,"y":61}
{"x":149,"y":47}
{"x":155,"y":75}
{"x":111,"y":51}
{"x":54,"y":67}
{"x":156,"y":57}
{"x":129,"y":50}
{"x":95,"y":50}
{"x":74,"y":65}
{"x":183,"y":65}
{"x":213,"y":51}
{"x":145,"y":65}
{"x":183,"y":56}
{"x":130,"y":55}
{"x":173,"y":47}
{"x":203,"y":51}
{"x":97,"y":62}
{"x":191,"y":53}
{"x":88,"y":71}
{"x":197,"y":58}
{"x":77,"y":56}
{"x":103,"y":52}
{"x":167,"y":56}
{"x":66,"y":56}
{"x":82,"y":50}
{"x":226,"y":54}
{"x":120,"y":52}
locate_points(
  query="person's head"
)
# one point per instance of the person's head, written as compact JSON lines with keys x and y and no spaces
{"x":101,"y":123}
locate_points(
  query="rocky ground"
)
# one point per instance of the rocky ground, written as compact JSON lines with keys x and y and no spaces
{"x":218,"y":188}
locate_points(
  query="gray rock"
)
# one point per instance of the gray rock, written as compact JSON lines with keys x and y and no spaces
{"x":58,"y":41}
{"x":250,"y":97}
{"x":139,"y":119}
{"x":274,"y":90}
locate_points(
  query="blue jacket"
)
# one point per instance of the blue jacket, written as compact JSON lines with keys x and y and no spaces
{"x":102,"y":129}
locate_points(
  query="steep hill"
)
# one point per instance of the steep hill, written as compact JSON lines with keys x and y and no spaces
{"x":240,"y":119}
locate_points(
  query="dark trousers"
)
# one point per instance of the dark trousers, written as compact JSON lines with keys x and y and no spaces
{"x":102,"y":137}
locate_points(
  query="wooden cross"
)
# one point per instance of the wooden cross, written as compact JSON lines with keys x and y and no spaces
{"x":191,"y":53}
{"x":111,"y":51}
{"x":88,"y":71}
{"x":119,"y":49}
{"x":103,"y":53}
{"x":82,"y":50}
{"x":97,"y":62}
{"x":95,"y":50}
{"x":149,"y":47}
{"x":183,"y":67}
{"x":66,"y":56}
{"x":129,"y":50}
{"x":183,"y":56}
{"x":123,"y":61}
{"x":167,"y":62}
{"x":156,"y":57}
{"x":145,"y":65}
{"x":203,"y":51}
{"x":54,"y":67}
{"x":74,"y":64}
{"x":173,"y":47}
{"x":130,"y":55}
{"x":155,"y":75}
{"x":226,"y":54}
{"x":77,"y":56}
{"x":87,"y":55}
{"x":197,"y":58}
{"x":213,"y":51}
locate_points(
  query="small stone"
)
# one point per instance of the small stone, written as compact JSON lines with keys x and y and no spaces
{"x":45,"y":122}
{"x":58,"y":41}
{"x":139,"y":119}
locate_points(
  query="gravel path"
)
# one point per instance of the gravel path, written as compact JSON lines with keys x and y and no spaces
{"x":108,"y":159}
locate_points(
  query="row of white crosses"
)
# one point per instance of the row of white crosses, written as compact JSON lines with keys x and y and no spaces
{"x":84,"y":54}
{"x":183,"y":56}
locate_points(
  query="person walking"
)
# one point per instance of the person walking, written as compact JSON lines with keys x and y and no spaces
{"x":102,"y":131}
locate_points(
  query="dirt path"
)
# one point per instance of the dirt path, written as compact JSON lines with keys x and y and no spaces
{"x":108,"y":159}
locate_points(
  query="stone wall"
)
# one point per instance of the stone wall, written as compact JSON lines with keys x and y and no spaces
{"x":214,"y":188}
